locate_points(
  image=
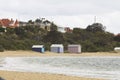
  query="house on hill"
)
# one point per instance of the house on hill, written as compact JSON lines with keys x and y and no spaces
{"x":61,"y":29}
{"x":42,"y":23}
{"x":6,"y":23}
{"x":67,"y":29}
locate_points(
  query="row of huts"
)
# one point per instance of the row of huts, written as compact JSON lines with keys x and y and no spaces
{"x":58,"y":48}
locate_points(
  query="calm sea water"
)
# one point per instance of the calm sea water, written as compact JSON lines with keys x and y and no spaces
{"x":95,"y":67}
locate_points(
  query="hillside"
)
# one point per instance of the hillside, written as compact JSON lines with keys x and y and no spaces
{"x":93,"y":38}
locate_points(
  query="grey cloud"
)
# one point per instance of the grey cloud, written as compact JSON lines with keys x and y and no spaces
{"x":59,"y":7}
{"x":25,"y":9}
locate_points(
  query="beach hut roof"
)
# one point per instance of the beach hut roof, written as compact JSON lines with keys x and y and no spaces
{"x":117,"y":48}
{"x":37,"y":46}
{"x":73,"y":45}
{"x":56,"y":45}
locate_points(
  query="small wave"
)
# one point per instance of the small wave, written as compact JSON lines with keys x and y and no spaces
{"x":95,"y":67}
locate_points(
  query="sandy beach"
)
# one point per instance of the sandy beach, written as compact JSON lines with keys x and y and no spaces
{"x":32,"y":53}
{"x":12,"y":75}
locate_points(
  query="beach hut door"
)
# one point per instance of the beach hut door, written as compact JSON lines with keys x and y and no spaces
{"x":58,"y":50}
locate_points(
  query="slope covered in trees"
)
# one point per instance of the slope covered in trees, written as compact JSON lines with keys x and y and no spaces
{"x":94,"y":38}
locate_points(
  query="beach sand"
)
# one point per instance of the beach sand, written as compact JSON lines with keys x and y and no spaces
{"x":12,"y":75}
{"x":32,"y":53}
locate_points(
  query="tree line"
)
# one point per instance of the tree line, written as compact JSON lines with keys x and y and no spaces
{"x":93,"y":38}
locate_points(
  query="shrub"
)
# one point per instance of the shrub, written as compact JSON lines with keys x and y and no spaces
{"x":1,"y":48}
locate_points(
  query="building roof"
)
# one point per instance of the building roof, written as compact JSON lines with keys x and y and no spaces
{"x":67,"y":29}
{"x":5,"y":22}
{"x":37,"y":46}
{"x":16,"y":23}
{"x":9,"y":23}
{"x":117,"y":48}
{"x":74,"y":45}
{"x":57,"y":45}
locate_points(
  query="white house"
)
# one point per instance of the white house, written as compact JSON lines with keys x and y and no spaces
{"x":61,"y":29}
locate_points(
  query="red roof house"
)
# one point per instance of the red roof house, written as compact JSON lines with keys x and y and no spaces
{"x":9,"y":23}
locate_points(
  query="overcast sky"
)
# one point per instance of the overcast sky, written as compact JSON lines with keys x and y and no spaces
{"x":66,"y":13}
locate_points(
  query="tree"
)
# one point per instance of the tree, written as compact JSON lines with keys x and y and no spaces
{"x":96,"y":27}
{"x":81,"y":34}
{"x":69,"y":38}
{"x":30,"y":22}
{"x":88,"y":46}
{"x":54,"y":37}
{"x":38,"y":20}
{"x":10,"y":30}
{"x":117,"y":38}
{"x":2,"y":29}
{"x":20,"y":31}
{"x":1,"y":48}
{"x":76,"y":30}
{"x":53,"y":27}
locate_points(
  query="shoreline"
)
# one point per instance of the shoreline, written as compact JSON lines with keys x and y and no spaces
{"x":15,"y":75}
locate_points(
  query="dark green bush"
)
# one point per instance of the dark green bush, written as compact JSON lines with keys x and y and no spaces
{"x":1,"y":48}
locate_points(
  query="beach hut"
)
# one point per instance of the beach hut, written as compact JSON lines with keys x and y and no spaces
{"x":38,"y":48}
{"x":74,"y":48}
{"x":57,"y":48}
{"x":117,"y":49}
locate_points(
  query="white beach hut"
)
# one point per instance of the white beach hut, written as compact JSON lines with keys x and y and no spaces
{"x":117,"y":49}
{"x":57,"y":48}
{"x":74,"y":48}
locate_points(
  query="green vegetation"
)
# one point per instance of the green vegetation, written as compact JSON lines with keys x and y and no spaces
{"x":93,"y":39}
{"x":1,"y":48}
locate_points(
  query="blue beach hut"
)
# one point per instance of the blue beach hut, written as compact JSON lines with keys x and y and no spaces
{"x":38,"y":48}
{"x":57,"y":48}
